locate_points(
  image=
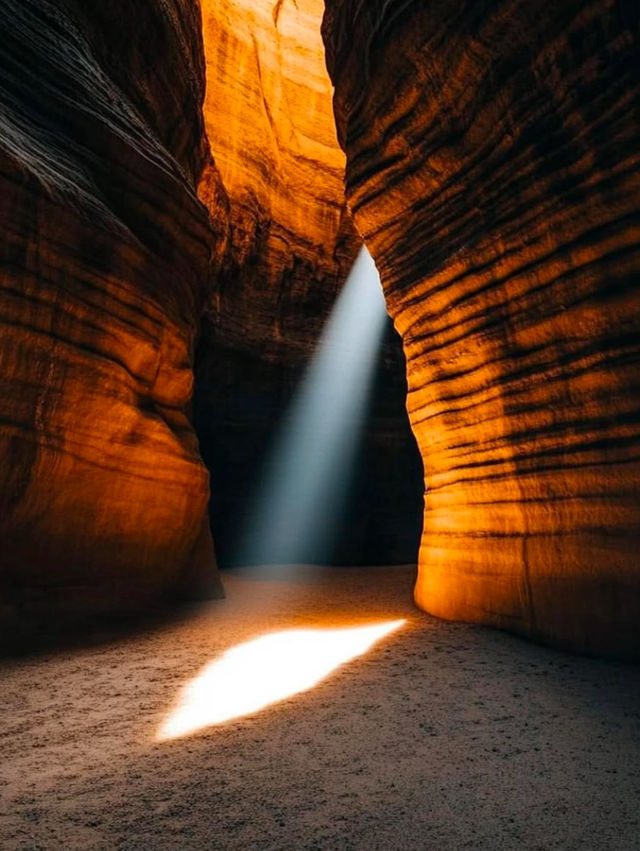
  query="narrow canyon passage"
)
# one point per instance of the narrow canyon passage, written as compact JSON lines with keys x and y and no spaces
{"x":442,"y":736}
{"x":202,"y":179}
{"x":187,"y":188}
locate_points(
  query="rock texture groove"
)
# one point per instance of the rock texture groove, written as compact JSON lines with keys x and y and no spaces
{"x":492,"y":169}
{"x":105,"y":258}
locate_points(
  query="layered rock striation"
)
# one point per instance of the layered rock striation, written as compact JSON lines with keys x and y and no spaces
{"x":270,"y":123}
{"x":105,"y":258}
{"x":492,"y":168}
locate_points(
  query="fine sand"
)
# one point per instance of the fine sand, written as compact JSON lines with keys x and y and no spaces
{"x":442,"y":736}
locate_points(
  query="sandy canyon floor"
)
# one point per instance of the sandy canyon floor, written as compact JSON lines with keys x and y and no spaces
{"x":441,"y":736}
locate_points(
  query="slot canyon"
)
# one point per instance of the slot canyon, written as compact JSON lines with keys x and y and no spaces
{"x":201,"y":201}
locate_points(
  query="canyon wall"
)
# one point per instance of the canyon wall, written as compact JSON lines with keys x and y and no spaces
{"x":492,"y":169}
{"x":105,"y":257}
{"x":290,"y":244}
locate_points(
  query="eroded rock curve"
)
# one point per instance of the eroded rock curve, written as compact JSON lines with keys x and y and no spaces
{"x":105,"y":257}
{"x":492,"y":168}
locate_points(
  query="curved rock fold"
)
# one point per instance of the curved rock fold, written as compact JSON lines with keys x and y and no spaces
{"x":492,"y":168}
{"x":105,"y":256}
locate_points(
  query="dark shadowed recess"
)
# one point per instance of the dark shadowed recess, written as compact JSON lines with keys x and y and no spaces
{"x":239,"y":401}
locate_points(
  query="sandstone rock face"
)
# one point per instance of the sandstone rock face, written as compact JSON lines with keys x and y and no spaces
{"x":289,"y":246}
{"x":270,"y":123}
{"x":492,"y":168}
{"x":105,"y":263}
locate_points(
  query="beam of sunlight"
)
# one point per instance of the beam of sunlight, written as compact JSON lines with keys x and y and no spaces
{"x":266,"y":670}
{"x":307,"y":475}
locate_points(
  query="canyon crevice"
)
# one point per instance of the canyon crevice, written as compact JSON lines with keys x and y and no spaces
{"x":290,"y":245}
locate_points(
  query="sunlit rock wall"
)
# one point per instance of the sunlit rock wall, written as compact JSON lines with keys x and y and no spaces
{"x":492,"y":167}
{"x":105,"y":254}
{"x":290,"y":244}
{"x":270,"y":123}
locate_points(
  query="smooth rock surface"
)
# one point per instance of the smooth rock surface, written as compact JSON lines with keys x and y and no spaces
{"x":492,"y":169}
{"x":105,"y":257}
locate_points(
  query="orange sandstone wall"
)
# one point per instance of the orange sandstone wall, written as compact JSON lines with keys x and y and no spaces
{"x":105,"y":257}
{"x":270,"y":123}
{"x":492,"y":168}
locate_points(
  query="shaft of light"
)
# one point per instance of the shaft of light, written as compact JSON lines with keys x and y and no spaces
{"x":266,"y":670}
{"x":308,"y":473}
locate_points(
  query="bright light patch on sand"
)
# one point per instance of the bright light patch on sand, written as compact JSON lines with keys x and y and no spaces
{"x":266,"y":670}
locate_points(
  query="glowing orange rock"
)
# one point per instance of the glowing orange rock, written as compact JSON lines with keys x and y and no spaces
{"x":492,"y":167}
{"x":270,"y":124}
{"x":105,"y":251}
